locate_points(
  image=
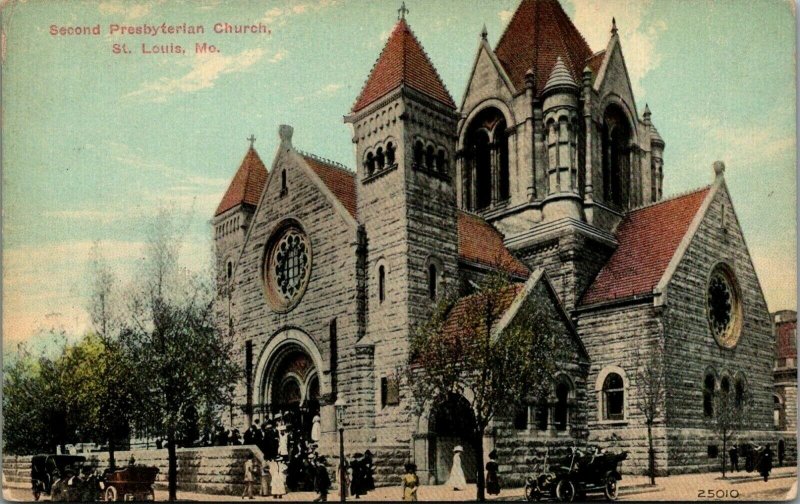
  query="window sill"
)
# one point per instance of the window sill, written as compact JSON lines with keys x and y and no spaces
{"x":610,"y":423}
{"x":379,"y":173}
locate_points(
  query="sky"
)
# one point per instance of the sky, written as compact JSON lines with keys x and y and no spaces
{"x":94,"y":143}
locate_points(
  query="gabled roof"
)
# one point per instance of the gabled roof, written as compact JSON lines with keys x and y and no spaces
{"x":538,"y":33}
{"x":341,"y":181}
{"x":648,"y":239}
{"x":247,"y":184}
{"x":596,"y":61}
{"x":403,"y":62}
{"x":462,"y":313}
{"x":480,"y":242}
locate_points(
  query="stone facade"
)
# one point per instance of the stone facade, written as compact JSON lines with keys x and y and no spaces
{"x":785,"y":374}
{"x":556,"y":161}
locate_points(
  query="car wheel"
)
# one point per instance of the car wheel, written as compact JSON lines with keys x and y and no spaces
{"x":611,"y":488}
{"x":111,"y":494}
{"x":565,"y":491}
{"x":36,"y":494}
{"x":532,"y":493}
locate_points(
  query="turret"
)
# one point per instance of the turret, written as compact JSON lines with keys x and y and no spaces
{"x":656,"y":157}
{"x":561,"y":122}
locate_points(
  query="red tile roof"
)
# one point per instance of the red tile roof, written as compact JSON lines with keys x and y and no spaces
{"x":341,"y":181}
{"x":648,"y":238}
{"x":247,"y":184}
{"x":538,"y":33}
{"x":787,"y":340}
{"x":596,"y":61}
{"x":403,"y":61}
{"x":480,"y":242}
{"x":461,"y":319}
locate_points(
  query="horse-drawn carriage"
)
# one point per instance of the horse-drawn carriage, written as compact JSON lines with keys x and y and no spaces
{"x":576,"y":475}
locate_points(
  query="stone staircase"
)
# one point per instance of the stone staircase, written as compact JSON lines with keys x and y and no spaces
{"x":17,"y":470}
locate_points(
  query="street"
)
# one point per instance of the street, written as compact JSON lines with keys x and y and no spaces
{"x":689,"y":487}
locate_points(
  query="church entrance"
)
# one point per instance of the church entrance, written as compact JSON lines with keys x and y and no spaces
{"x":452,"y":424}
{"x":291,"y":388}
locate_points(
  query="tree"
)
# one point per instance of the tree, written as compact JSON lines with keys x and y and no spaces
{"x":173,"y":341}
{"x":462,"y":348}
{"x":25,"y":428}
{"x":732,"y":413}
{"x":651,"y":396}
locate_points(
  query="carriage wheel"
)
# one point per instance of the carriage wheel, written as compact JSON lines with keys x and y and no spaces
{"x":111,"y":494}
{"x":611,"y":489}
{"x":565,"y":491}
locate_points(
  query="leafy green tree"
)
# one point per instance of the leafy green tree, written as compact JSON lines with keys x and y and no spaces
{"x":25,"y":428}
{"x":173,"y":340}
{"x":462,"y":348}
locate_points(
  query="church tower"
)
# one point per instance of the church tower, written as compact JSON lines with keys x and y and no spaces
{"x":404,"y":125}
{"x":230,"y":223}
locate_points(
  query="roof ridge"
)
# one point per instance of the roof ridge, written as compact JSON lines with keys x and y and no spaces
{"x":671,"y":198}
{"x":326,"y":161}
{"x":374,"y":64}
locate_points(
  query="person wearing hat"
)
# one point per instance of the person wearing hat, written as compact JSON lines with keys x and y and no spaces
{"x":369,"y":471}
{"x":316,"y":429}
{"x":492,"y":480}
{"x":357,"y":479}
{"x":410,"y":483}
{"x":456,"y":481}
{"x":322,"y":480}
{"x":278,"y":473}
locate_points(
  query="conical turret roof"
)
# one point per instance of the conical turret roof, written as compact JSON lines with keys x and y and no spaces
{"x":560,"y":78}
{"x":247,"y":184}
{"x":403,"y":62}
{"x":538,"y":34}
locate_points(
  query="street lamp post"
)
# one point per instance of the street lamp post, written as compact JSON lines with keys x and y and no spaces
{"x":340,"y":406}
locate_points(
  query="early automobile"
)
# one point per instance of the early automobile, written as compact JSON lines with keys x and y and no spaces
{"x":48,"y":471}
{"x":579,"y":474}
{"x":133,"y":482}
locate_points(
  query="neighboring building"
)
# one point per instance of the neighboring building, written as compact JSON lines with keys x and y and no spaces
{"x":545,"y":171}
{"x":785,"y":397}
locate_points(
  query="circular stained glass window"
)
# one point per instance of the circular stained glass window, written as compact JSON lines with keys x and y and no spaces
{"x":287,"y":268}
{"x":723,"y":307}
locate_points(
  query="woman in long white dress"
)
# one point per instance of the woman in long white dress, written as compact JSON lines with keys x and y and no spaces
{"x":456,"y":481}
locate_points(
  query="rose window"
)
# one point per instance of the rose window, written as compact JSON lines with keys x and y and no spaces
{"x":724,"y":309}
{"x":288,"y":268}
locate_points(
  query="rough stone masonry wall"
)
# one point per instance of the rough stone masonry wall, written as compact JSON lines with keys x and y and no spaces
{"x":217,"y":470}
{"x":692,"y":349}
{"x":623,"y":336}
{"x":331,"y":291}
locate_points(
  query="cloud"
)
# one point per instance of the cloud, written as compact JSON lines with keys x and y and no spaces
{"x":206,"y":69}
{"x":752,"y":145}
{"x":279,"y":16}
{"x":639,"y":39}
{"x":324,"y":92}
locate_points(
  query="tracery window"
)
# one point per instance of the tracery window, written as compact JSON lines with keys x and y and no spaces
{"x":486,"y":164}
{"x":287,"y":268}
{"x":724,"y":307}
{"x":616,"y":139}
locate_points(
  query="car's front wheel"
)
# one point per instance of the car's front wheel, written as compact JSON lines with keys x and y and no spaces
{"x":111,"y":494}
{"x":565,"y":491}
{"x":611,"y":489}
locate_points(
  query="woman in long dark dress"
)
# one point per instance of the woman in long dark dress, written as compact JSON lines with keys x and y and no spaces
{"x":765,"y":463}
{"x":369,"y":470}
{"x":492,"y":480}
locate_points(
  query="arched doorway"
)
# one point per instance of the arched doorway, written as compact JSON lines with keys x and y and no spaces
{"x":452,"y":424}
{"x":288,"y":379}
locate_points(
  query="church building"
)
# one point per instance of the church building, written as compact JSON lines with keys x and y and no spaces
{"x":547,"y":171}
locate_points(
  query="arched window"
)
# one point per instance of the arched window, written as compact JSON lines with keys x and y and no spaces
{"x":429,"y":158}
{"x":542,"y":411}
{"x":563,"y":395}
{"x":370,"y":164}
{"x":432,"y":281}
{"x":419,"y":153}
{"x":616,"y":138}
{"x":441,"y":161}
{"x":486,"y":148}
{"x":229,"y":270}
{"x":739,"y":391}
{"x":709,"y":384}
{"x":390,"y":149}
{"x":381,"y":283}
{"x":379,"y":157}
{"x":483,"y":170}
{"x":725,"y":385}
{"x":284,"y":189}
{"x":613,"y":397}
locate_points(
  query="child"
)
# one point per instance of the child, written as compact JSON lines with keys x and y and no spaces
{"x":410,"y":483}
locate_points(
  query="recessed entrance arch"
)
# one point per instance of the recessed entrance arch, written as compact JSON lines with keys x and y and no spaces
{"x":289,"y":377}
{"x":452,"y":423}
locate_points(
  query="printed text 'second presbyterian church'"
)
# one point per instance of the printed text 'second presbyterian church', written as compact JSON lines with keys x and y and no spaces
{"x":549,"y":170}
